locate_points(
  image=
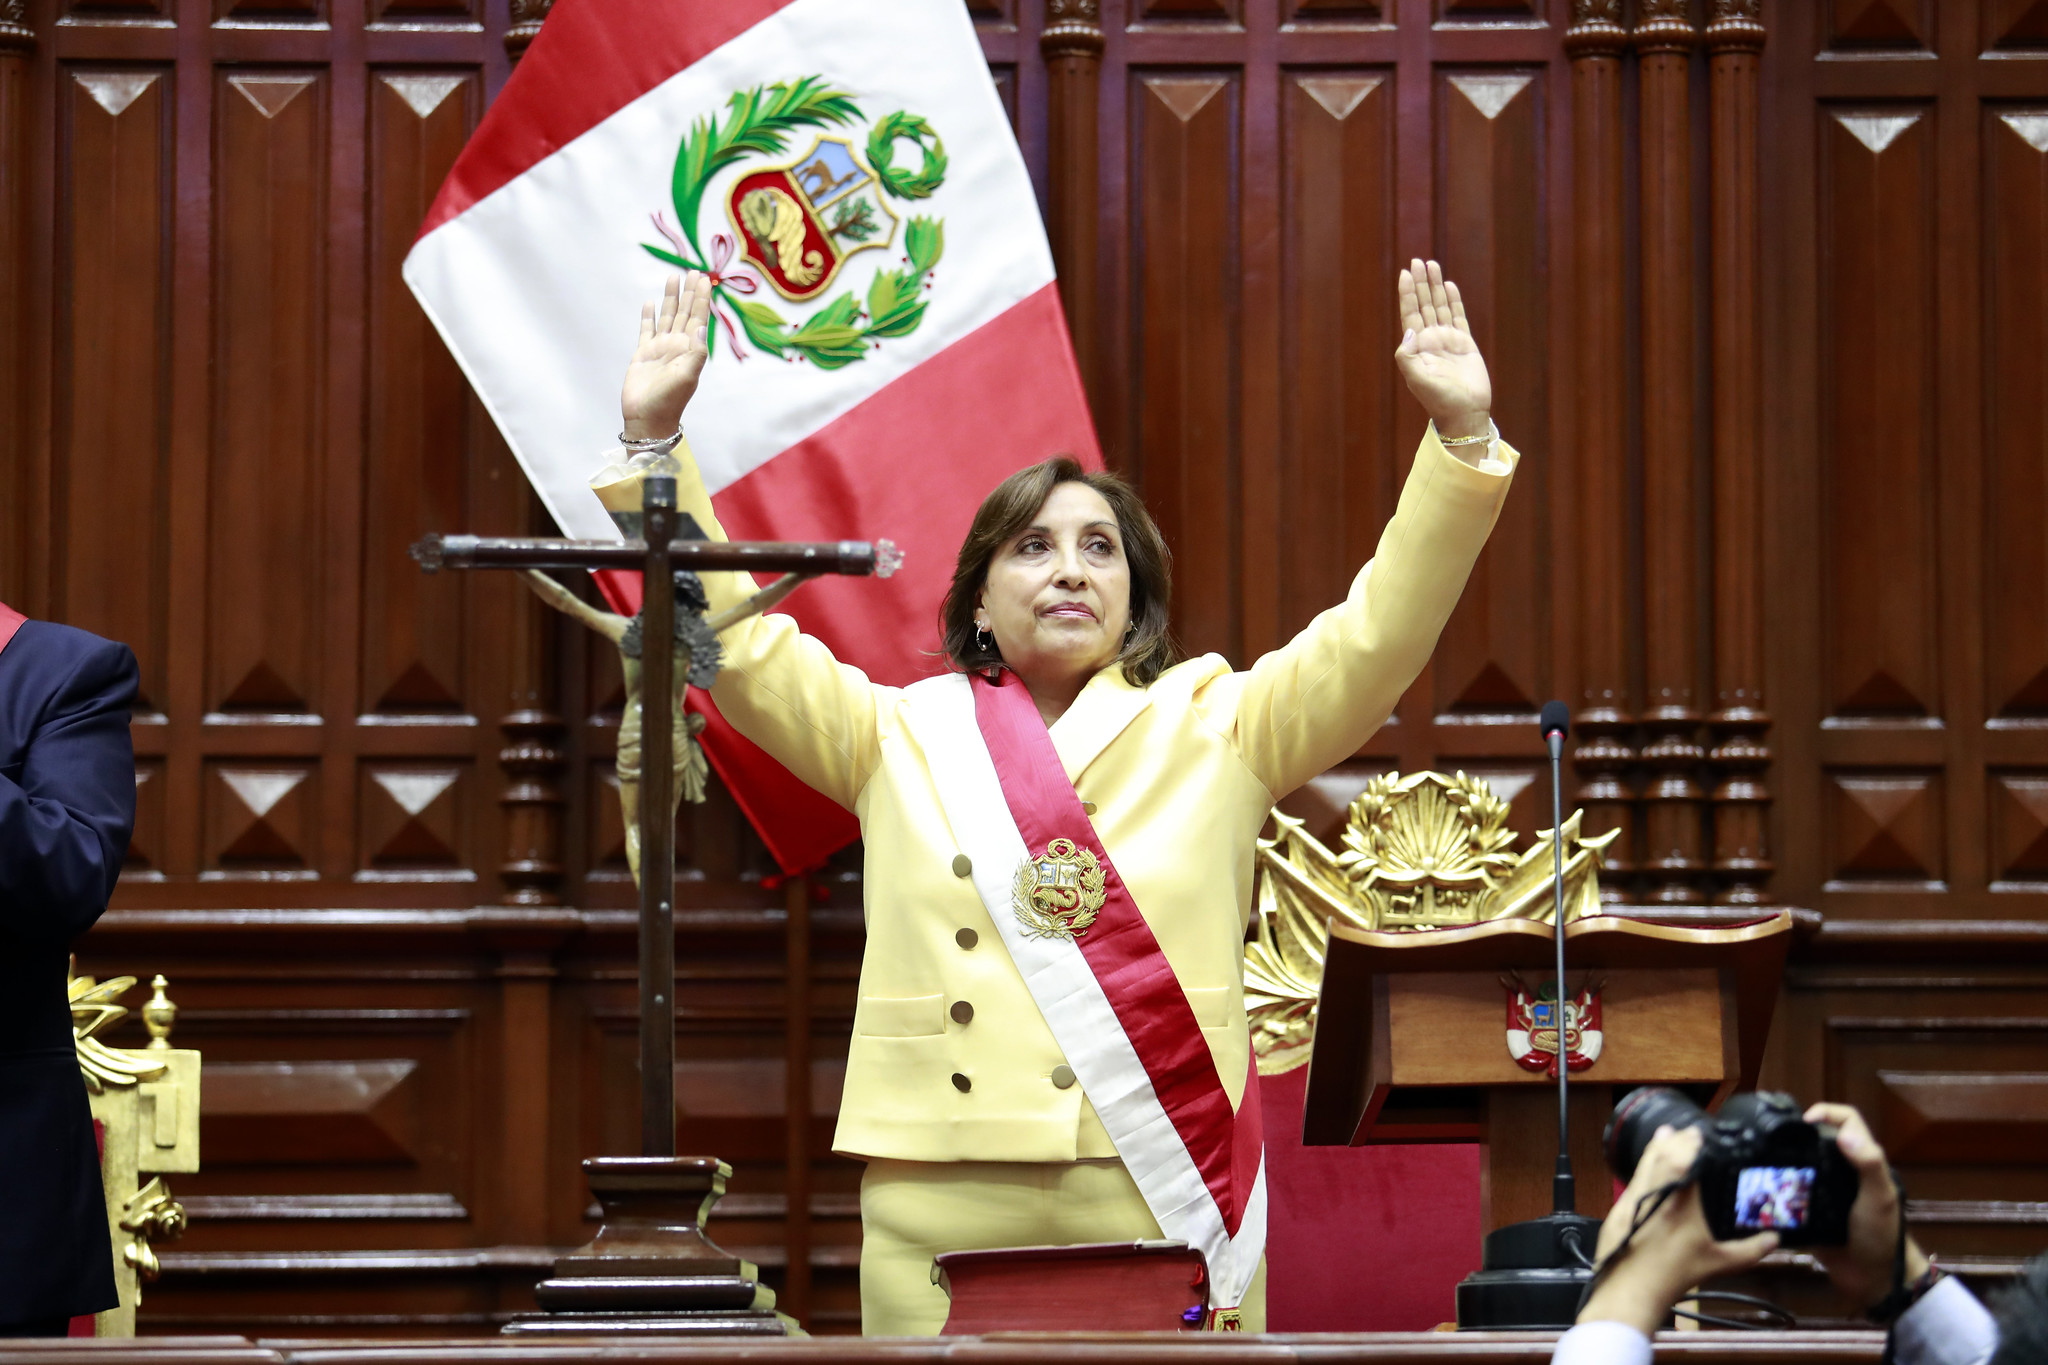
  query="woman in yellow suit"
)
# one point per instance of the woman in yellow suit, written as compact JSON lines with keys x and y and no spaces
{"x":958,"y":1096}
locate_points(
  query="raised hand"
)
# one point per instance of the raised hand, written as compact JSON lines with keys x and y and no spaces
{"x":1863,"y":1269}
{"x":666,"y":364}
{"x":1438,"y":356}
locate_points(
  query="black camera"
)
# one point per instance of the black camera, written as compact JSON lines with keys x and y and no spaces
{"x":1761,"y":1168}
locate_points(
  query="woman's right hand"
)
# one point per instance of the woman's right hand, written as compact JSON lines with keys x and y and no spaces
{"x":666,"y":364}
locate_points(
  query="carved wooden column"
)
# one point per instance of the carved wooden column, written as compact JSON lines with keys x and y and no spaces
{"x":1596,"y":41}
{"x":1741,"y":726}
{"x":17,"y":48}
{"x":526,"y":21}
{"x":1071,"y":44}
{"x":1675,"y":803}
{"x":797,"y":1105}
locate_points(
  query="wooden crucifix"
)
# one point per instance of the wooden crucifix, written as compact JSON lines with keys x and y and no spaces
{"x":627,"y":1279}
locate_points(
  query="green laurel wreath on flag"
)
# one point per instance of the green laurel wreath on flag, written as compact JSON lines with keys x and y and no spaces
{"x":760,"y":124}
{"x":882,"y":156}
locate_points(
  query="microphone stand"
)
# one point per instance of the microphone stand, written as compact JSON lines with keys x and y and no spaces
{"x":1533,"y":1273}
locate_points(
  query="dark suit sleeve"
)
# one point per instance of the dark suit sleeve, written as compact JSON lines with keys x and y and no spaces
{"x":65,"y":821}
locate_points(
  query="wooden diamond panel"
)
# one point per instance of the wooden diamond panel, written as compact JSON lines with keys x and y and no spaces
{"x":261,"y":821}
{"x":2015,"y":592}
{"x":264,"y":597}
{"x":1494,"y":656}
{"x":2019,"y":830}
{"x":1879,"y":553}
{"x":112,"y":366}
{"x":418,"y":450}
{"x":1338,"y":401}
{"x":1885,"y":829}
{"x":412,"y":821}
{"x":1894,"y":25}
{"x":1184,"y":174}
{"x":2014,"y":25}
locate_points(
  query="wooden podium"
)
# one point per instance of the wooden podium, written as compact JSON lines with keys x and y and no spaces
{"x":1411,"y":1039}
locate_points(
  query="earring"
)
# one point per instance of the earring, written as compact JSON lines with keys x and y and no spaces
{"x":980,"y":635}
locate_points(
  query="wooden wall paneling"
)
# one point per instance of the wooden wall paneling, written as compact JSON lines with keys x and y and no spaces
{"x":262,"y":821}
{"x":415,"y":821}
{"x":111,"y":444}
{"x":1336,"y":390}
{"x":2018,"y":830}
{"x":21,"y":483}
{"x":1305,"y":14}
{"x":527,"y":940}
{"x":1603,"y":756}
{"x":146,"y":845}
{"x":1493,"y":659}
{"x":2013,"y":26}
{"x":798,"y":1100}
{"x":1959,"y":1100}
{"x":1071,"y":44}
{"x":533,"y":756}
{"x":1740,"y":721}
{"x":1891,"y":26}
{"x":2015,"y":584}
{"x":1877,"y":337}
{"x":264,"y":620}
{"x":417,"y":455}
{"x":1674,"y":801}
{"x":1209,"y":13}
{"x":1185,"y":435}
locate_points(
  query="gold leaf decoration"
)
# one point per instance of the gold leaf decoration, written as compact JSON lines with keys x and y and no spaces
{"x":1420,"y":852}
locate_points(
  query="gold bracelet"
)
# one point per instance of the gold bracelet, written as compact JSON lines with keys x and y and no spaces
{"x":1492,"y":434}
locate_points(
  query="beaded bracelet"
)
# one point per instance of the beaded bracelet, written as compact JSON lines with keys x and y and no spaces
{"x":641,"y":445}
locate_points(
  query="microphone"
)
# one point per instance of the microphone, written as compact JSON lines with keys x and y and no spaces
{"x":1555,"y":723}
{"x":1535,"y":1273}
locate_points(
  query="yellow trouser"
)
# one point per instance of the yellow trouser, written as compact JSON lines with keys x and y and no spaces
{"x":910,"y":1211}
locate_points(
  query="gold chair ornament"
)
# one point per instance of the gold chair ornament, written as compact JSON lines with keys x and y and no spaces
{"x":147,"y":1102}
{"x":1420,"y":852}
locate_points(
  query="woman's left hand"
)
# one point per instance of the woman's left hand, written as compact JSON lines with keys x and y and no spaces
{"x":663,"y":373}
{"x":1438,"y":356}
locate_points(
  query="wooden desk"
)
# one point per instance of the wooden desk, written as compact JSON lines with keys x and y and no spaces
{"x":1010,"y":1348}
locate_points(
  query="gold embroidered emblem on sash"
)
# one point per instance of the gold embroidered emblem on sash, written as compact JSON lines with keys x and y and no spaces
{"x":1059,"y":893}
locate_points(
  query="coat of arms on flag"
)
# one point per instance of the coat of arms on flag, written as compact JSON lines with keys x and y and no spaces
{"x":797,"y":223}
{"x":1535,"y":1021}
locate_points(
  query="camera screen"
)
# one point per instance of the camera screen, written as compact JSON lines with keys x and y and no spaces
{"x":1768,"y":1197}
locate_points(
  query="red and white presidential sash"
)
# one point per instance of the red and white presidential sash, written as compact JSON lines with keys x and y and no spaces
{"x":1097,"y":972}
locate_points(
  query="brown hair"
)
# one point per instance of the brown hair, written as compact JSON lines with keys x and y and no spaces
{"x":1148,"y":649}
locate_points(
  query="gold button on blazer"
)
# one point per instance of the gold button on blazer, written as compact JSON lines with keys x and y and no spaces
{"x":1181,"y":774}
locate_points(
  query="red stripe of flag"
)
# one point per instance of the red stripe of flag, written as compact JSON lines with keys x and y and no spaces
{"x":591,"y":59}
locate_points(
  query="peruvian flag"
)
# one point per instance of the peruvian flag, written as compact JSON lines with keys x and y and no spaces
{"x":887,"y":341}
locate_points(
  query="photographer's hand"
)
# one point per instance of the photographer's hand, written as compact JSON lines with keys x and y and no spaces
{"x":1672,"y":1251}
{"x":1862,"y":1270}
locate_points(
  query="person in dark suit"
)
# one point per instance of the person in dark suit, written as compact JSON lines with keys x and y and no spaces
{"x":67,"y":806}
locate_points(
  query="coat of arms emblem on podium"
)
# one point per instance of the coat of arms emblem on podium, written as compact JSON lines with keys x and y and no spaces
{"x":1536,"y":1020}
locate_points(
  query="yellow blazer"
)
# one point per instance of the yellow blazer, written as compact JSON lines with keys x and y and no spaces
{"x":1181,"y":775}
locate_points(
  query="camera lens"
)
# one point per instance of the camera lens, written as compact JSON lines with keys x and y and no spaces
{"x":1636,"y":1120}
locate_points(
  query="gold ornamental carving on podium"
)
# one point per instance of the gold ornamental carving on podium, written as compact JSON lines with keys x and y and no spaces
{"x":1419,"y":852}
{"x":147,"y":1102}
